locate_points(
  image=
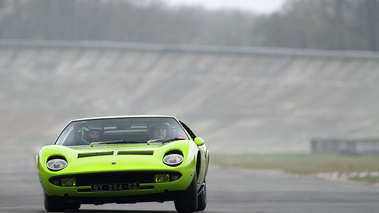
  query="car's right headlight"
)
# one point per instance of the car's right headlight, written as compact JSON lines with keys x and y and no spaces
{"x":56,"y":164}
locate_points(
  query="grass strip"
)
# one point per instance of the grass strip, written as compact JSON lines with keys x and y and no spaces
{"x":304,"y":164}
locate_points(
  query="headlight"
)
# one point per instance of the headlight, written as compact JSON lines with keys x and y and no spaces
{"x":173,"y":159}
{"x":56,"y":164}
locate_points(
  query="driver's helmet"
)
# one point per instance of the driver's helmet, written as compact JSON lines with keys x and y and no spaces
{"x":160,"y":131}
{"x":92,"y":132}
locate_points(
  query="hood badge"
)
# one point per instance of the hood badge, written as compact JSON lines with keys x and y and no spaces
{"x":113,"y":163}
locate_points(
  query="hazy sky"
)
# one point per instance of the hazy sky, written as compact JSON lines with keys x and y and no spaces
{"x":261,"y":6}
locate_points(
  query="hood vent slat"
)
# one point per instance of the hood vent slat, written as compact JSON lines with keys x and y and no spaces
{"x":94,"y":154}
{"x":135,"y":153}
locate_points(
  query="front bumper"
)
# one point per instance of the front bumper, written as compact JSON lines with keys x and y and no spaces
{"x":149,"y":188}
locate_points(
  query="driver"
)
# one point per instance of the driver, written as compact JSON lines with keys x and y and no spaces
{"x":160,"y":131}
{"x":92,"y":133}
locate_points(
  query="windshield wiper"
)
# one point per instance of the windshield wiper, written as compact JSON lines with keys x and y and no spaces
{"x":114,"y":142}
{"x":164,"y":140}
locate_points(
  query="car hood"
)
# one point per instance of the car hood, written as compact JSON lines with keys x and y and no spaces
{"x":120,"y":157}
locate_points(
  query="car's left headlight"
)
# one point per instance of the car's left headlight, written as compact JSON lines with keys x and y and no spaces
{"x":173,"y":159}
{"x":56,"y":164}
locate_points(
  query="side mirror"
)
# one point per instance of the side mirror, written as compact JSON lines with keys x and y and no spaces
{"x":199,"y":141}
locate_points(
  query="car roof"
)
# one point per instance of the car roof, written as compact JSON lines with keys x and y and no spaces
{"x":123,"y":116}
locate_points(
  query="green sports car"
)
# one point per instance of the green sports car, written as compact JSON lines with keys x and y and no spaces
{"x":124,"y":159}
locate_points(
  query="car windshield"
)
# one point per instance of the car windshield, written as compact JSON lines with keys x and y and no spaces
{"x":127,"y":130}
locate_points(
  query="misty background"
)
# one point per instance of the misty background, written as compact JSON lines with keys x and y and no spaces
{"x":244,"y":81}
{"x":305,"y":24}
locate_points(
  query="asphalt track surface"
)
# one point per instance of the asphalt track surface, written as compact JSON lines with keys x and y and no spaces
{"x":229,"y":190}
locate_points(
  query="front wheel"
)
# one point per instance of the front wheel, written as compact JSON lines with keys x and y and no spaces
{"x":52,"y":204}
{"x":73,"y":206}
{"x":187,"y":201}
{"x":202,"y":199}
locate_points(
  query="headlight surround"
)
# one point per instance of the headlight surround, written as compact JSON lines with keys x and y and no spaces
{"x":56,"y":164}
{"x":173,"y":159}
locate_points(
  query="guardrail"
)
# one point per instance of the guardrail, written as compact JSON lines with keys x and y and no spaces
{"x":188,"y":48}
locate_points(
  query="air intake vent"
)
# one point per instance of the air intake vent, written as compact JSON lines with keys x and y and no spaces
{"x":135,"y":153}
{"x":93,"y":154}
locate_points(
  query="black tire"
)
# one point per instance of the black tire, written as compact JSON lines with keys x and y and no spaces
{"x":73,"y":206}
{"x":186,"y":201}
{"x":202,"y":199}
{"x":52,"y":204}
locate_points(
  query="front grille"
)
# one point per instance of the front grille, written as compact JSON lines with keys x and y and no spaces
{"x":125,"y":177}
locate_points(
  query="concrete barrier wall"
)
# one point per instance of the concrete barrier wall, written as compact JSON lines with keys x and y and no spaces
{"x":240,"y":100}
{"x":345,"y":146}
